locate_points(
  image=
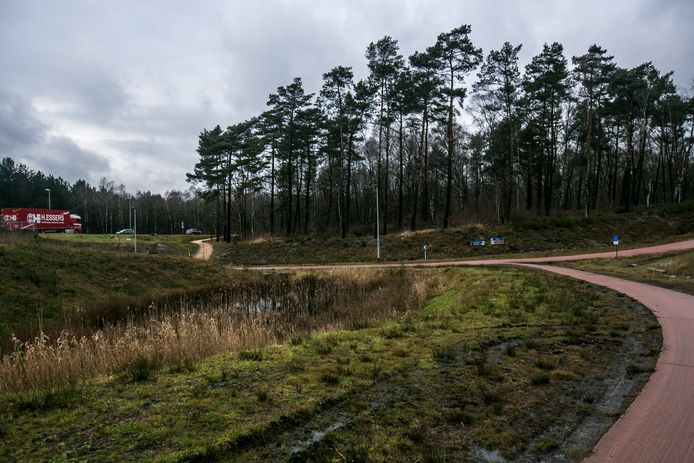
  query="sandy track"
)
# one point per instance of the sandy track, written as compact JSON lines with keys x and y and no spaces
{"x":204,"y":251}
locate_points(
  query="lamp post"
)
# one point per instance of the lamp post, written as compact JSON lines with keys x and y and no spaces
{"x":49,"y":197}
{"x":135,"y":229}
{"x":378,"y":226}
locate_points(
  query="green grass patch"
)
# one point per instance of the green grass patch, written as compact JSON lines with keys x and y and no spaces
{"x":671,"y":270}
{"x":46,"y":281}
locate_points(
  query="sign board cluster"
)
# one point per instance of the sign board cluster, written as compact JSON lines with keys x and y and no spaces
{"x":493,"y":241}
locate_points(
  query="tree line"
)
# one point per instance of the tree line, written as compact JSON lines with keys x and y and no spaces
{"x":585,"y":136}
{"x":105,"y":208}
{"x":443,"y":137}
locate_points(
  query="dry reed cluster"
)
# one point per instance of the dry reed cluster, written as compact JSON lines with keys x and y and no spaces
{"x":239,"y":316}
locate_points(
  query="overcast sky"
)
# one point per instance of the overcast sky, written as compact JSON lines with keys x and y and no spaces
{"x":123,"y":88}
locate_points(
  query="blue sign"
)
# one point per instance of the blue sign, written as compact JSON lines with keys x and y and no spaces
{"x":477,"y":243}
{"x":497,"y":240}
{"x":615,"y":239}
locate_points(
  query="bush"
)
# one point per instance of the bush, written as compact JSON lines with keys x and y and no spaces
{"x":255,"y":355}
{"x":141,"y":369}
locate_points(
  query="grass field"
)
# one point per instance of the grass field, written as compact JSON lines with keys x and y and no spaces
{"x":503,"y":363}
{"x":179,"y":245}
{"x":674,"y":271}
{"x":525,"y":237}
{"x":47,"y":281}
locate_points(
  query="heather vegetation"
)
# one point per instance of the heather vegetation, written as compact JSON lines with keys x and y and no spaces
{"x":525,"y":237}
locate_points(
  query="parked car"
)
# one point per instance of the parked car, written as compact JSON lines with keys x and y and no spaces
{"x":193,"y":231}
{"x":126,"y":231}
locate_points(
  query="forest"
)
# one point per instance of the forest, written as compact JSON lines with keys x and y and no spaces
{"x":447,"y":136}
{"x":104,"y":208}
{"x":450,"y":135}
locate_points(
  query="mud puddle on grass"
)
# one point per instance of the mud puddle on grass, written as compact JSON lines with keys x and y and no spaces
{"x":318,"y":435}
{"x":575,"y":435}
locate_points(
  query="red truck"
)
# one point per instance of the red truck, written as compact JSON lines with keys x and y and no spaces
{"x":45,"y":220}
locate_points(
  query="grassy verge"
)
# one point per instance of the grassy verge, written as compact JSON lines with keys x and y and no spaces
{"x":504,"y":363}
{"x":49,"y":281}
{"x":171,"y":245}
{"x":525,"y":237}
{"x":674,"y":271}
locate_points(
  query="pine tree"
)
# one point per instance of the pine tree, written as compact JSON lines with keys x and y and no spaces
{"x":499,"y":82}
{"x":457,"y":57}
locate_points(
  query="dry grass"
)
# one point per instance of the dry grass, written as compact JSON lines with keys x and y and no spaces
{"x":261,"y":239}
{"x":237,"y":317}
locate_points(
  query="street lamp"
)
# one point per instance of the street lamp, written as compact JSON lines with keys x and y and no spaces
{"x":135,"y":229}
{"x":49,"y":197}
{"x":378,"y":226}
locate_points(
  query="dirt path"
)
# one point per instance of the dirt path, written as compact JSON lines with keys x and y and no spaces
{"x":659,"y":424}
{"x":204,"y":251}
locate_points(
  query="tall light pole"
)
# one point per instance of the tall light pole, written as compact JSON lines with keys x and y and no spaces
{"x":49,"y":197}
{"x":135,"y":229}
{"x":378,"y":226}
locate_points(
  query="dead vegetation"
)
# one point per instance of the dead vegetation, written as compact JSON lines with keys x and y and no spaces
{"x":239,"y":316}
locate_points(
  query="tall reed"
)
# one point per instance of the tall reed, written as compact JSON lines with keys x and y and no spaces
{"x":238,"y":316}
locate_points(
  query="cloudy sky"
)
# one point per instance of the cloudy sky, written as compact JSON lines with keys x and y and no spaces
{"x":123,"y":88}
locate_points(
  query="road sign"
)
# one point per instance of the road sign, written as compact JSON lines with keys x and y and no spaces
{"x":497,"y":240}
{"x":477,"y":243}
{"x":615,"y":240}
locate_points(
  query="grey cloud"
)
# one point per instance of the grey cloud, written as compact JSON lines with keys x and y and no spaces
{"x":19,"y":124}
{"x":62,"y":157}
{"x":126,"y":87}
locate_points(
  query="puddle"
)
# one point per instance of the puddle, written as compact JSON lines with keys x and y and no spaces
{"x":317,"y":436}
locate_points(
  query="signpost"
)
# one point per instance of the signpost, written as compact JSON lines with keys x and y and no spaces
{"x":615,"y":243}
{"x":477,"y":243}
{"x":497,"y":240}
{"x":425,"y":246}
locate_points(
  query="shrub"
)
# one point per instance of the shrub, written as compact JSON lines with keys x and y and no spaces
{"x":253,"y":355}
{"x":141,"y":369}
